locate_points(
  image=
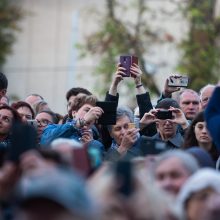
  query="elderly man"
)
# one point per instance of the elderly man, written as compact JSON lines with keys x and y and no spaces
{"x":205,"y":94}
{"x":172,"y":169}
{"x":167,"y":127}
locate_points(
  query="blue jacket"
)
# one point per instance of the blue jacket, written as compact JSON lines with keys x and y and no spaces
{"x":212,"y":116}
{"x":68,"y":130}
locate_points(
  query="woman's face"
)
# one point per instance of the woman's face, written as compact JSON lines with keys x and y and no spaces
{"x":196,"y":205}
{"x":202,"y":134}
{"x":25,"y":113}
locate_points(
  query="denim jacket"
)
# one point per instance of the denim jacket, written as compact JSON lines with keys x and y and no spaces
{"x":68,"y":130}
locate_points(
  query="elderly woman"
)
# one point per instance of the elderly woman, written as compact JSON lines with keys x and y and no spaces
{"x":200,"y":196}
{"x":198,"y":135}
{"x":125,"y":140}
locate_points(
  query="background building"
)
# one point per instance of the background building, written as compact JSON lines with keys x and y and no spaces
{"x":46,"y":61}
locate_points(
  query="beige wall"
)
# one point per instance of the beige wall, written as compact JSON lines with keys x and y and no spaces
{"x":44,"y":58}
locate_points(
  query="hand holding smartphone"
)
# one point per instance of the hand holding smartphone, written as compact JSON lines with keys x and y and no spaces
{"x":126,"y":62}
{"x":164,"y":114}
{"x":178,"y":81}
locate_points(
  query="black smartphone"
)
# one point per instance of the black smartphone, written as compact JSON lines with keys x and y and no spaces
{"x":152,"y":147}
{"x":23,"y":138}
{"x":126,"y":62}
{"x":123,"y":172}
{"x":109,"y":115}
{"x":178,"y":81}
{"x":164,"y":114}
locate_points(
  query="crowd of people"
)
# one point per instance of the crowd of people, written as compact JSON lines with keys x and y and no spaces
{"x":158,"y":161}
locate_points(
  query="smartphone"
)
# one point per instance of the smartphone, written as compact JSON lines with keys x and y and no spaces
{"x":23,"y":138}
{"x":152,"y":147}
{"x":123,"y":173}
{"x":131,"y":125}
{"x":126,"y":62}
{"x":109,"y":115}
{"x":164,"y":114}
{"x":178,"y":81}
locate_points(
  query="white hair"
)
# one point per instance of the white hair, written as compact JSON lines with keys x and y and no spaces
{"x":60,"y":141}
{"x":204,"y":88}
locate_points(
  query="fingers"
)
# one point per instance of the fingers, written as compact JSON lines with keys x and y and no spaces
{"x":135,"y":71}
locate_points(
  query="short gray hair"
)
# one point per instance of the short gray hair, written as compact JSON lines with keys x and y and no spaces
{"x":187,"y":160}
{"x":121,"y":112}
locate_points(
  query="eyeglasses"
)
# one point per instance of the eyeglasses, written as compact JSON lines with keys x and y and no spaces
{"x":43,"y":122}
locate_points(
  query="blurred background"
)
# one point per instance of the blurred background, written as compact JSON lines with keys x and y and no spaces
{"x":49,"y":46}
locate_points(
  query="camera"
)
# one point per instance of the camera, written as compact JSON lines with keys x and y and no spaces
{"x":164,"y":114}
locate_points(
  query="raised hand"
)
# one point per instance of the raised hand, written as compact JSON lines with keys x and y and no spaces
{"x":136,"y":73}
{"x":168,"y":90}
{"x":179,"y":117}
{"x":149,"y":118}
{"x":86,"y":136}
{"x":130,"y":137}
{"x":117,"y":78}
{"x":92,"y":115}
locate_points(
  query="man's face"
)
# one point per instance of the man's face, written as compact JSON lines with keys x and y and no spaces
{"x":166,"y":128}
{"x":119,"y":129}
{"x":170,"y":175}
{"x":207,"y":93}
{"x":6,"y":118}
{"x":189,"y":103}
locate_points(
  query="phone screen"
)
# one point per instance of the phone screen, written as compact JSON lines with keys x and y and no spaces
{"x":178,"y":81}
{"x":126,"y":62}
{"x":23,"y":138}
